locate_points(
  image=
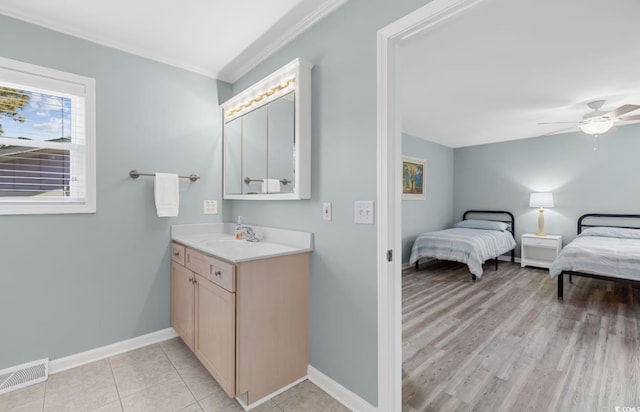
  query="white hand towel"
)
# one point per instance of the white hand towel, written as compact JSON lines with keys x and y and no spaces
{"x":270,"y":186}
{"x":167,"y":194}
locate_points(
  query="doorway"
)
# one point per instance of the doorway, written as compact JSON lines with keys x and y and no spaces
{"x":389,"y":192}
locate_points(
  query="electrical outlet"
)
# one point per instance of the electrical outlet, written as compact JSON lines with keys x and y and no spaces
{"x":210,"y":207}
{"x":363,"y":212}
{"x":326,"y":211}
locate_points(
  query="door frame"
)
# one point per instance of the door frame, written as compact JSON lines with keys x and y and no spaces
{"x":389,"y":193}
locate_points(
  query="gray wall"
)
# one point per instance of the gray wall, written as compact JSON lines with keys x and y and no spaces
{"x":502,"y":175}
{"x":436,"y":211}
{"x":70,"y":283}
{"x":343,"y":266}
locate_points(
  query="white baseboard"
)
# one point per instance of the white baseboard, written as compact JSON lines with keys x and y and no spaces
{"x":82,"y":358}
{"x":508,"y":258}
{"x":339,"y":392}
{"x":243,"y":401}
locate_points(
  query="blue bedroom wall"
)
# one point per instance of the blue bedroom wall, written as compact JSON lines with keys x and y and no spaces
{"x":69,"y":283}
{"x":436,"y":210}
{"x":343,"y":265}
{"x":502,"y":175}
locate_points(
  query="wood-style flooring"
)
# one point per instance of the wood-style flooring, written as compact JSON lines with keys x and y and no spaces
{"x":505,"y":343}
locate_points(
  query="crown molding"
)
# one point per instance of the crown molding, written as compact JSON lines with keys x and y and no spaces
{"x":81,"y":34}
{"x":249,"y":58}
{"x":241,"y":65}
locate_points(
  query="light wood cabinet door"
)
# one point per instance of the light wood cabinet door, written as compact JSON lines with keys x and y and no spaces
{"x":272,"y":324}
{"x":215,"y":332}
{"x":183,"y":303}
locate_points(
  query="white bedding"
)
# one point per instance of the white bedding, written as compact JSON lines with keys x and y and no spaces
{"x":607,"y":256}
{"x":470,"y":246}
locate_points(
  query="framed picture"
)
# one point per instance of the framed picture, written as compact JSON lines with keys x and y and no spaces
{"x":413,"y":187}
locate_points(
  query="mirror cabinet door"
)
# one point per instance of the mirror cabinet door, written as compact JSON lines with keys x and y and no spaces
{"x":233,"y":156}
{"x":281,"y":144}
{"x":254,"y":150}
{"x":267,"y":137}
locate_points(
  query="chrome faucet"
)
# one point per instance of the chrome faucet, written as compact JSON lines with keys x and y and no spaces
{"x":249,"y":234}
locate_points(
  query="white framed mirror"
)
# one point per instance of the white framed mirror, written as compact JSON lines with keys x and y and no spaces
{"x":267,"y":137}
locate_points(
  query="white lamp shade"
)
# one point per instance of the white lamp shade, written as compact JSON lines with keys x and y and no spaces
{"x":597,"y":126}
{"x":541,"y":200}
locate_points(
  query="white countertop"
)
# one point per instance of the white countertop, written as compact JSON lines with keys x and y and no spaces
{"x":217,"y":239}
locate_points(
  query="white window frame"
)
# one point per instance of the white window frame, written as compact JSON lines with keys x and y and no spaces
{"x":38,"y":77}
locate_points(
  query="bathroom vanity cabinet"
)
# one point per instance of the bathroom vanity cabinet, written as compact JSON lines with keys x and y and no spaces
{"x":247,"y":322}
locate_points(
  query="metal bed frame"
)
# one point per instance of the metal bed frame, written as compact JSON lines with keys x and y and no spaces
{"x":581,"y":226}
{"x":512,"y":228}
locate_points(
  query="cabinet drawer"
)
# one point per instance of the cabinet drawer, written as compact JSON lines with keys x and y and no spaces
{"x":212,"y":269}
{"x":177,"y":253}
{"x":540,"y":242}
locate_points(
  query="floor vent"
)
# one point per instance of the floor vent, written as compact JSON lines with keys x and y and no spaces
{"x":23,"y":375}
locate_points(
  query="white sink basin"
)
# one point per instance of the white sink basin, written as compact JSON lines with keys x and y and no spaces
{"x":227,"y":247}
{"x":218,"y":241}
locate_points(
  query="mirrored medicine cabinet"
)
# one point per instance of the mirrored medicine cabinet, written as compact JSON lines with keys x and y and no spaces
{"x":267,"y":137}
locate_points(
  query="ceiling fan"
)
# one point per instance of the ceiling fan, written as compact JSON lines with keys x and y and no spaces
{"x":598,"y":122}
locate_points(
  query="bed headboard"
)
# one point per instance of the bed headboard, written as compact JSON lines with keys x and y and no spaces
{"x":500,"y":216}
{"x":630,"y":221}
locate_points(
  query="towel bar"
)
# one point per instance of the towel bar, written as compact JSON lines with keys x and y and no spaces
{"x":248,"y":180}
{"x":134,"y":174}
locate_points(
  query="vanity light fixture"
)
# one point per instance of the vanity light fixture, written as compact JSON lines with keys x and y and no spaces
{"x":541,"y":200}
{"x":258,"y":98}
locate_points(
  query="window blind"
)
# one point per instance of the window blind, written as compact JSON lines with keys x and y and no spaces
{"x":41,"y":145}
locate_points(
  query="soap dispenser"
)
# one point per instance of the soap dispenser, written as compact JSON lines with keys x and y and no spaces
{"x":239,"y":228}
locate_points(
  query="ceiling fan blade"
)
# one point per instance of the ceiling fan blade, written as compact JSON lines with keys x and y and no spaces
{"x":629,"y":118}
{"x":566,"y":129}
{"x":574,"y":122}
{"x":614,"y":114}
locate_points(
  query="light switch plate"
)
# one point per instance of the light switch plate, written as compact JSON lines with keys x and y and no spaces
{"x":210,"y":207}
{"x":363,"y":212}
{"x":326,"y":211}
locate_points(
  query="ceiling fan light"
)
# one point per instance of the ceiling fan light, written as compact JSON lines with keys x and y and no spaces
{"x":596,"y":126}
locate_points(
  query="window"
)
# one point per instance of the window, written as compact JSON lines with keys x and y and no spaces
{"x":47,"y":140}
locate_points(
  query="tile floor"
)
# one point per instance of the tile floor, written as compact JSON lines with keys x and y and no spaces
{"x":161,"y":377}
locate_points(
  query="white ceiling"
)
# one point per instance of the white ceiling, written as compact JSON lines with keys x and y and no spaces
{"x":203,"y":36}
{"x":492,"y":73}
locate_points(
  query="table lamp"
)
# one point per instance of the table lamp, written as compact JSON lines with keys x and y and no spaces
{"x":541,"y":200}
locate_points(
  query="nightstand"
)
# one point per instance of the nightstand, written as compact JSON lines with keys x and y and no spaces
{"x":539,"y":251}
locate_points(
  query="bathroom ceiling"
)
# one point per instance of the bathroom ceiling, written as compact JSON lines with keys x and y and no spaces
{"x":220,"y":39}
{"x":494,"y":72}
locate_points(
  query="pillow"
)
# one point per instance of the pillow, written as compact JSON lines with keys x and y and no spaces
{"x":483,"y":224}
{"x":615,"y":232}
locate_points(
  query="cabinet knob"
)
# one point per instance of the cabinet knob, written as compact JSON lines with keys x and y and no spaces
{"x":191,"y":280}
{"x":176,"y":253}
{"x":218,"y":273}
{"x":195,"y":281}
